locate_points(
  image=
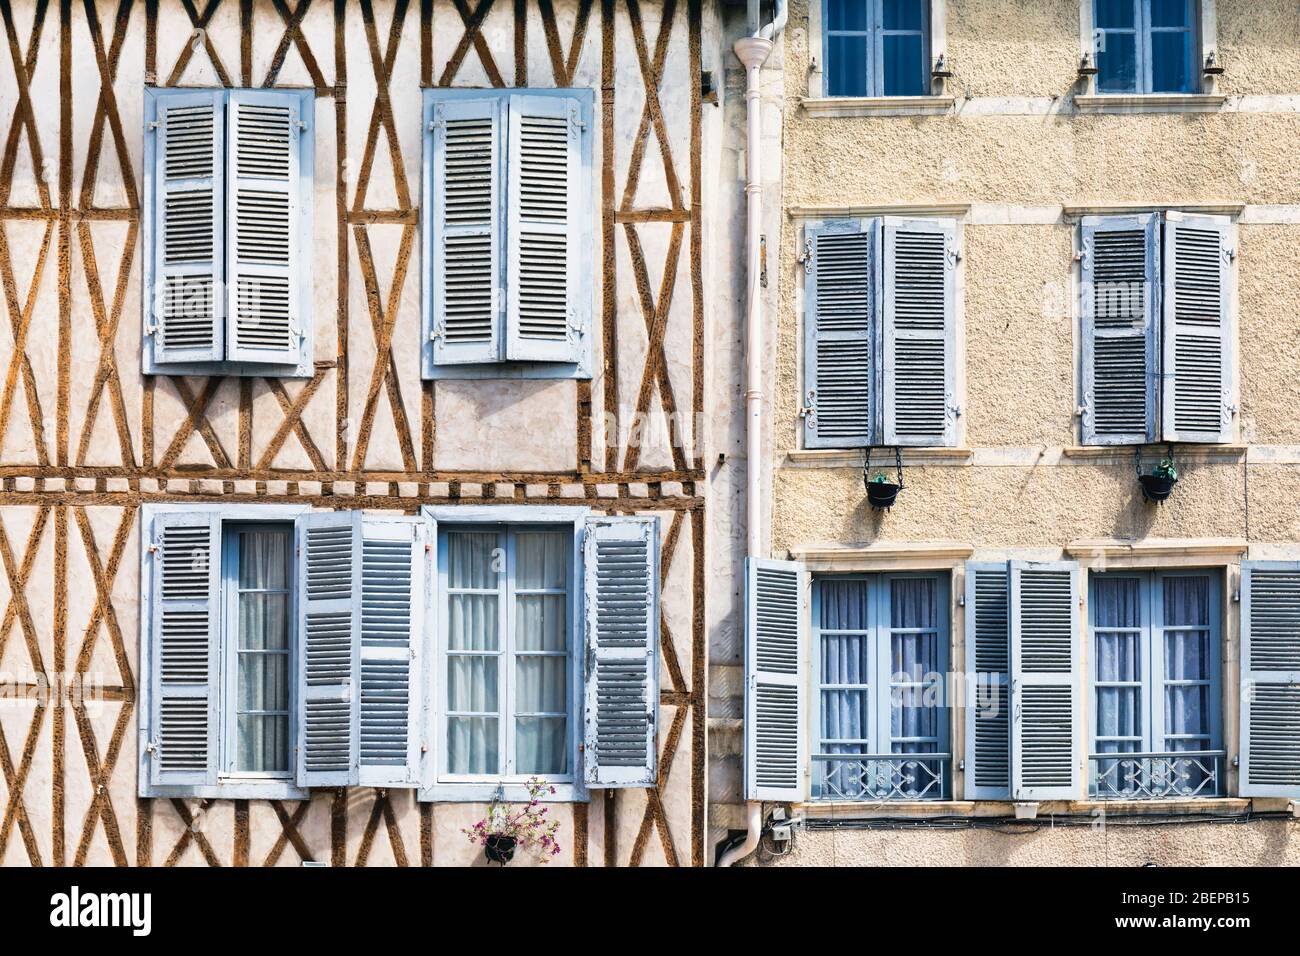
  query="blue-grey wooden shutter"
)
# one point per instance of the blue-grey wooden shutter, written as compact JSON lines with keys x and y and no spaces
{"x":1119,"y":293}
{"x":184,"y":653}
{"x":1044,"y":611}
{"x":546,"y":309}
{"x":988,"y":681}
{"x":1270,"y":679}
{"x":393,"y":608}
{"x":839,"y":312}
{"x":919,"y":327}
{"x":621,"y":626}
{"x":463,"y":226}
{"x":1198,"y":333}
{"x":184,"y":292}
{"x":776,"y":751}
{"x":329,"y":625}
{"x":268,"y":215}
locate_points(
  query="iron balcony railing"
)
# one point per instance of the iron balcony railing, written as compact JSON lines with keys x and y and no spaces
{"x":881,"y":776}
{"x":1157,"y":776}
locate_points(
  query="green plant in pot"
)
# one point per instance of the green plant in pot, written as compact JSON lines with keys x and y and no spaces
{"x":1157,"y":486}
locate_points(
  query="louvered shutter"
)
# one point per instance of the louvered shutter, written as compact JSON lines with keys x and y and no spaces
{"x":839,"y":310}
{"x":1270,"y":679}
{"x":988,"y":680}
{"x":1198,"y":334}
{"x":546,"y":312}
{"x":184,"y":299}
{"x":329,"y":624}
{"x":463,"y":228}
{"x":919,"y":332}
{"x":184,"y":665}
{"x":268,"y":177}
{"x":393,"y":602}
{"x":1044,"y":681}
{"x":621,"y":624}
{"x":775,"y":652}
{"x":1119,"y":294}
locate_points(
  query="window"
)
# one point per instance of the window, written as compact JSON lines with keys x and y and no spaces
{"x":877,"y":47}
{"x":227,"y":232}
{"x":1146,"y":46}
{"x":1156,"y":685}
{"x":880,"y":656}
{"x":507,"y":233}
{"x":880,"y":333}
{"x":1158,"y":329}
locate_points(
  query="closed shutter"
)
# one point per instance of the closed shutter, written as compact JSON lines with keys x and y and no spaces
{"x":546,"y":310}
{"x":1044,"y":681}
{"x":393,"y":603}
{"x":269,"y":133}
{"x":621,"y":624}
{"x":329,"y":622}
{"x":919,"y":332}
{"x":839,"y":307}
{"x":775,"y":652}
{"x":184,"y":648}
{"x":1198,"y":334}
{"x":1119,"y":294}
{"x":185,"y":302}
{"x":1270,"y":679}
{"x":464,"y":151}
{"x":988,"y":679}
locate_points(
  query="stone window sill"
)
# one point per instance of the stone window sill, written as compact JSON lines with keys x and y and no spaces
{"x":1150,"y":103}
{"x":837,"y":106}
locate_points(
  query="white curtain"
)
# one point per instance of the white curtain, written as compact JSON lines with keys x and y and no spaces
{"x":844,"y":638}
{"x":914,"y":657}
{"x":1118,"y":621}
{"x":473,"y":642}
{"x":1187,"y":662}
{"x":541,"y":653}
{"x":262,"y":680}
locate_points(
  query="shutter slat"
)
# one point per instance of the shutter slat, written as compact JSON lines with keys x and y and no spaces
{"x":184,"y":291}
{"x":839,"y":302}
{"x":775,"y":653}
{"x":185,"y":648}
{"x":919,"y":332}
{"x":1044,"y":691}
{"x":988,"y":666}
{"x":621,"y":596}
{"x":1270,"y":679}
{"x":1119,"y":294}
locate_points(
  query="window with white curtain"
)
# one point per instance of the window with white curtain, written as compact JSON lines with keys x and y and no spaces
{"x":880,"y":655}
{"x":1156,"y":648}
{"x":506,"y":638}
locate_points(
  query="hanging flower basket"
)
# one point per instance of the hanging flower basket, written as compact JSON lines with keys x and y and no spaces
{"x":881,"y":492}
{"x":507,"y":828}
{"x":1158,"y":485}
{"x":499,"y":849}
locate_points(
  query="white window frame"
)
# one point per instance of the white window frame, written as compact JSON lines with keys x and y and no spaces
{"x":230,"y":785}
{"x":936,"y":43}
{"x":442,"y":786}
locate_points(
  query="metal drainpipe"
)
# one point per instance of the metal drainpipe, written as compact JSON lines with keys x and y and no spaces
{"x":753,"y":52}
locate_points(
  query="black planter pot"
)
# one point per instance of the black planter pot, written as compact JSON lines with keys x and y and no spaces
{"x":881,"y":494}
{"x":499,"y":849}
{"x":1156,"y":488}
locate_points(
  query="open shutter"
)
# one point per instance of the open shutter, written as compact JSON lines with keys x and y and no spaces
{"x":329,"y":625}
{"x":184,"y":297}
{"x":1270,"y":679}
{"x":1198,"y":334}
{"x":621,"y":597}
{"x":184,"y":648}
{"x":1118,"y":297}
{"x":775,"y":652}
{"x":393,"y":576}
{"x":463,"y":228}
{"x":919,"y":332}
{"x":1044,"y":684}
{"x":988,"y":680}
{"x":269,"y":202}
{"x":839,"y":306}
{"x":545,"y":307}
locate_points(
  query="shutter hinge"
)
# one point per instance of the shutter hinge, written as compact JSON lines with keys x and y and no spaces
{"x":300,"y":124}
{"x":809,"y":412}
{"x":155,"y":125}
{"x":150,"y":328}
{"x":1231,"y":253}
{"x":151,"y":747}
{"x":805,"y":257}
{"x":1081,"y":410}
{"x":576,"y":121}
{"x":154,"y":547}
{"x":437,"y":333}
{"x":956,"y":410}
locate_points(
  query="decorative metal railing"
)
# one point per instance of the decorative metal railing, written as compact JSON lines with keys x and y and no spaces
{"x":1156,"y":776}
{"x":881,"y":776}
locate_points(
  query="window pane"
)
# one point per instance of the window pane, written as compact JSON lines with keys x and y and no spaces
{"x":472,"y":622}
{"x":846,"y":66}
{"x":844,"y":659}
{"x":844,"y":716}
{"x":1119,"y":715}
{"x":263,"y":682}
{"x":472,"y":745}
{"x":846,"y":15}
{"x":1171,"y":62}
{"x":1187,"y":601}
{"x":904,"y":65}
{"x":541,"y":560}
{"x":1115,"y":13}
{"x":540,"y":622}
{"x":540,"y":745}
{"x":264,"y":559}
{"x":1117,"y":63}
{"x":911,"y":716}
{"x":1171,"y":13}
{"x":473,"y":559}
{"x":1187,"y":709}
{"x":263,"y":743}
{"x":541,"y":685}
{"x":1117,"y":657}
{"x":843,"y":605}
{"x":904,"y":14}
{"x":472,"y":684}
{"x":1116,"y":601}
{"x":261,"y":651}
{"x":263,"y":621}
{"x":911,"y":603}
{"x":913,"y":657}
{"x":1187,"y":655}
